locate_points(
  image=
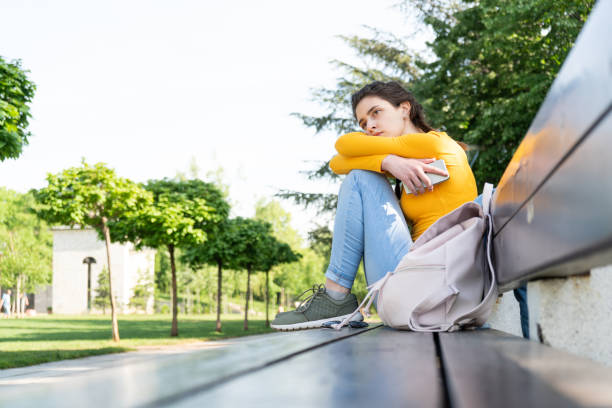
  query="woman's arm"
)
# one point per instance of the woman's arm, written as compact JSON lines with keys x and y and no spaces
{"x":341,"y":164}
{"x":415,"y":145}
{"x":410,"y":171}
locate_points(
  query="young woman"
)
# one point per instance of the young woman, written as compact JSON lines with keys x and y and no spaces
{"x":370,"y":221}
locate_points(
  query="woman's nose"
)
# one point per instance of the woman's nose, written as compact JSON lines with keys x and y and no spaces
{"x":371,"y":126}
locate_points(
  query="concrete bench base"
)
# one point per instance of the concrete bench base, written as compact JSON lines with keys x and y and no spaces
{"x":574,"y":313}
{"x":571,"y":314}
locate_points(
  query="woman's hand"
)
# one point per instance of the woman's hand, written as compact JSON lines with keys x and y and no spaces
{"x":411,"y":172}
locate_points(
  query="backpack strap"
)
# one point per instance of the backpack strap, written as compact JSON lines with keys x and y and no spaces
{"x":477,"y":316}
{"x":487,"y":194}
{"x":374,"y":288}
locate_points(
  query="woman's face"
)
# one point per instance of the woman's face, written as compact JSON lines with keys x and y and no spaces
{"x":378,"y":117}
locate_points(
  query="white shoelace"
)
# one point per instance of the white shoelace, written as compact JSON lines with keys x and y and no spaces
{"x":375,"y":287}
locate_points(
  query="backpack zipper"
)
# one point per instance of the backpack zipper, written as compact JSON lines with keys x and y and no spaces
{"x":421,"y":267}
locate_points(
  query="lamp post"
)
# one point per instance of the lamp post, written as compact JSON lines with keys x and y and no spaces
{"x":89,"y":260}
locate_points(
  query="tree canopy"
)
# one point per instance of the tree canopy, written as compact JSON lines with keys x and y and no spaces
{"x":25,"y":243}
{"x":494,"y":65}
{"x":482,"y":78}
{"x":16,"y":93}
{"x":182,"y":213}
{"x":91,"y":196}
{"x":224,"y":249}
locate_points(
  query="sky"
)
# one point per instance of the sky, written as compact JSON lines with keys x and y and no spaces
{"x":149,"y":87}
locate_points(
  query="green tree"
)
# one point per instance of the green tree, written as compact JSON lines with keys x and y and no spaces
{"x":288,"y":276}
{"x":253,"y":243}
{"x":222,"y":250}
{"x":258,"y":250}
{"x":274,"y":253}
{"x":273,"y":213}
{"x":162,"y":272}
{"x":320,"y":240}
{"x":481,"y":79}
{"x":182,"y":213}
{"x":494,"y":65}
{"x":143,"y":290}
{"x":102,"y":298}
{"x":16,"y":93}
{"x":25,"y":244}
{"x":92,"y":196}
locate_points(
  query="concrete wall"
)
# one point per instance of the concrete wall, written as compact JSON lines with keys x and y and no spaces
{"x":70,"y":247}
{"x":572,"y":314}
{"x":506,"y":315}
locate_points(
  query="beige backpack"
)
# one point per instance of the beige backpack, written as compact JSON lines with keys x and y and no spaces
{"x":446,"y":281}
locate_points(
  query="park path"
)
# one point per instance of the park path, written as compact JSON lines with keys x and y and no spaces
{"x":64,"y":370}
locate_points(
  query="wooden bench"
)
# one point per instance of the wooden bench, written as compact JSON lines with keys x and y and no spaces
{"x":354,"y":367}
{"x":551,"y":217}
{"x":553,"y":206}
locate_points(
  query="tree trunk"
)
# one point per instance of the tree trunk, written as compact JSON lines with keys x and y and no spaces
{"x":174,"y":330}
{"x":219,"y":273}
{"x":115,"y":326}
{"x":246,"y":309}
{"x":267,"y":297}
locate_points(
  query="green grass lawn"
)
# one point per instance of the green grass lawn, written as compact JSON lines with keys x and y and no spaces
{"x":36,"y":340}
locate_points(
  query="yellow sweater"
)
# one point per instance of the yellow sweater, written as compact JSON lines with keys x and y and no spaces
{"x":360,"y":151}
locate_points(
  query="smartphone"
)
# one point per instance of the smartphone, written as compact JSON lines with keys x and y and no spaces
{"x":434,"y":178}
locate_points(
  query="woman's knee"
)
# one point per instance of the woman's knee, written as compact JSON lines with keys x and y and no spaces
{"x":364,"y":176}
{"x":375,"y":184}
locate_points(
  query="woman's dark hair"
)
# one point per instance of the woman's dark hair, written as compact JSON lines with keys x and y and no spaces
{"x":393,"y":93}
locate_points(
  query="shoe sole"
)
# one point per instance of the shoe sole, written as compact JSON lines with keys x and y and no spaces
{"x":314,"y":323}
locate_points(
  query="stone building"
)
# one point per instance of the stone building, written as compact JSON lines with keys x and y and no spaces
{"x":69,"y":291}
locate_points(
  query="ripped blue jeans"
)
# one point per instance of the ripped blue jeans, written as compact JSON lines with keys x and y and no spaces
{"x":370,"y":224}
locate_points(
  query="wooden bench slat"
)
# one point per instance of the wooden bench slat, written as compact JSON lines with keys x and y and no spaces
{"x":489,"y":368}
{"x":583,"y":380}
{"x":134,"y":384}
{"x":383,"y":367}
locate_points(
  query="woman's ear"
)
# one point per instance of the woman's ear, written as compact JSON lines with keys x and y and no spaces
{"x":405,"y":107}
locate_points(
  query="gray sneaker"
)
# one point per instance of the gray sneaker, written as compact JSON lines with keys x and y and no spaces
{"x":317,"y":309}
